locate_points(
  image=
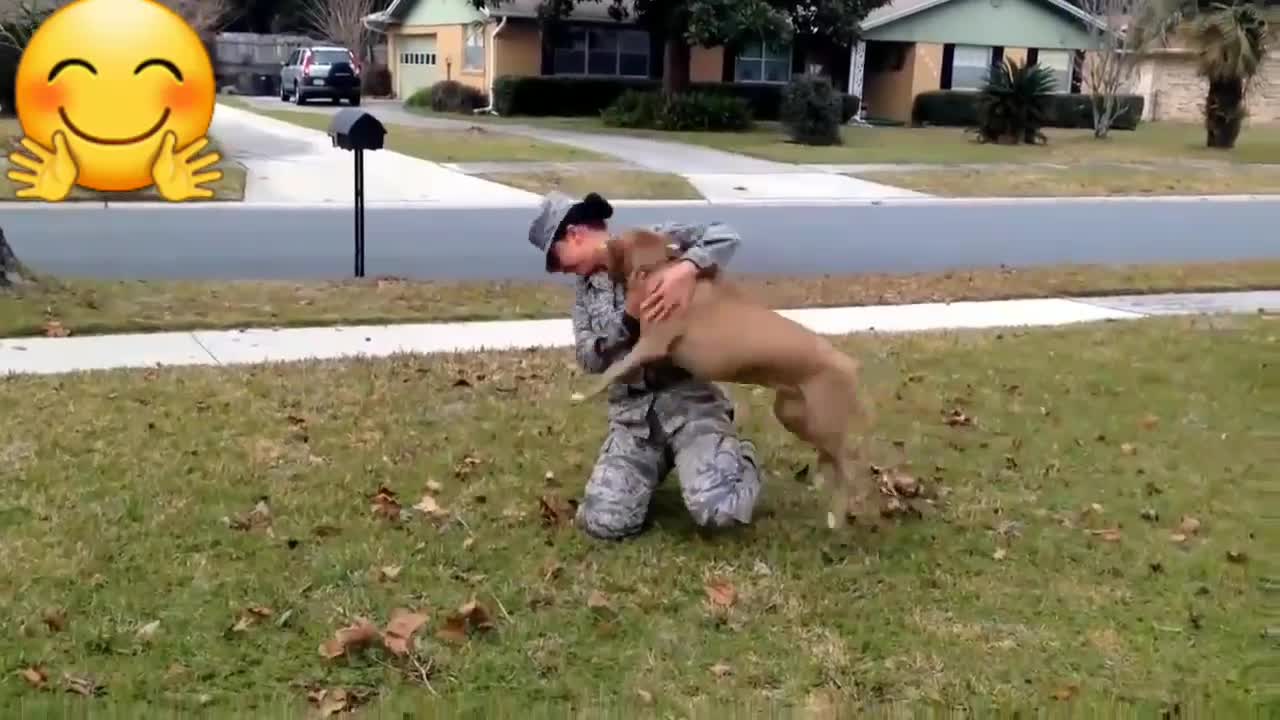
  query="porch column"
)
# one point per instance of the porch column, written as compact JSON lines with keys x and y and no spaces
{"x":857,"y":66}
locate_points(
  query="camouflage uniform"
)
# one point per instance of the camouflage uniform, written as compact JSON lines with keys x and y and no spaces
{"x":666,"y":419}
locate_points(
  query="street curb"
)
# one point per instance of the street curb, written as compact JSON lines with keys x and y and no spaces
{"x":20,"y":206}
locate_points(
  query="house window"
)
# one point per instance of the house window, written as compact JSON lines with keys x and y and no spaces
{"x":1058,"y":61}
{"x":417,"y":58}
{"x":970,"y":66}
{"x":601,"y":51}
{"x":761,"y":62}
{"x":473,"y":50}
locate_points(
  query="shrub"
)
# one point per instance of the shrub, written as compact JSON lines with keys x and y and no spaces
{"x":679,"y":112}
{"x":959,"y":108}
{"x":448,"y":96}
{"x":376,"y":81}
{"x":1013,"y":105}
{"x":573,"y":96}
{"x":811,"y":111}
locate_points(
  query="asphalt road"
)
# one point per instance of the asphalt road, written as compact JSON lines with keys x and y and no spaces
{"x":235,"y":243}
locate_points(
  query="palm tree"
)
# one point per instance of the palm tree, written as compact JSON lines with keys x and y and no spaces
{"x":1231,"y":44}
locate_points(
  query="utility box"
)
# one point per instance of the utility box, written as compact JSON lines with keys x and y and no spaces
{"x":356,"y":129}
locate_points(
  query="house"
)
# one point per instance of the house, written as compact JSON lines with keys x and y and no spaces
{"x":433,"y":40}
{"x":915,"y":46}
{"x":909,"y":47}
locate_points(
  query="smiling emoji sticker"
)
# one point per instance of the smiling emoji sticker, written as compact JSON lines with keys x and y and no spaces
{"x":114,"y":96}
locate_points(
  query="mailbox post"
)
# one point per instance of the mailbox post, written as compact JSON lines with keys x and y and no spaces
{"x":356,"y":130}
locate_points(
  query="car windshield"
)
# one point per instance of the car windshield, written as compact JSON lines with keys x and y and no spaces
{"x":329,"y":57}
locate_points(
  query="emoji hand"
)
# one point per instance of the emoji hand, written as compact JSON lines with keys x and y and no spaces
{"x":175,"y":173}
{"x":52,"y":175}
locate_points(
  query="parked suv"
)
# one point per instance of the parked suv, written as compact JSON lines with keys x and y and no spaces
{"x":320,"y":71}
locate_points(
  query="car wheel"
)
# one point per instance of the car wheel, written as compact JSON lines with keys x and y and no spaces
{"x":297,"y":95}
{"x":355,"y":99}
{"x":284,"y":94}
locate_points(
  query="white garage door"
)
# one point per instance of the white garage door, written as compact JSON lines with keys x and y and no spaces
{"x":418,"y":67}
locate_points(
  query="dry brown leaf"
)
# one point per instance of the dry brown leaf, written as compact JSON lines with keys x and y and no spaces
{"x":466,"y":544}
{"x":551,"y":569}
{"x":477,"y":615}
{"x":81,"y":685}
{"x":1189,"y":525}
{"x":398,"y":635}
{"x":148,"y":631}
{"x":433,"y":486}
{"x":1149,"y":421}
{"x":36,"y":677}
{"x":1237,"y":557}
{"x":1066,"y":692}
{"x":1178,"y":538}
{"x":1128,"y":448}
{"x":645,"y":696}
{"x":464,"y":468}
{"x":428,"y":506}
{"x":330,"y":702}
{"x":556,"y":510}
{"x":385,"y":505}
{"x":454,"y":629}
{"x":258,"y":517}
{"x":388,"y":573}
{"x":54,"y":328}
{"x":957,"y":418}
{"x":1108,"y":534}
{"x":55,"y":619}
{"x":721,"y":593}
{"x":250,"y":616}
{"x":353,"y":637}
{"x":721,"y":670}
{"x":999,"y":554}
{"x":598,"y":601}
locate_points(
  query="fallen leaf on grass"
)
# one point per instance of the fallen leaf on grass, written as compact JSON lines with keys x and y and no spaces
{"x":1108,"y":534}
{"x":55,"y":619}
{"x":399,"y":633}
{"x":353,"y":637}
{"x":81,"y":685}
{"x":645,"y":696}
{"x":999,"y":554}
{"x":1065,"y":693}
{"x":1150,"y":515}
{"x":54,"y":328}
{"x":957,"y":418}
{"x":433,"y":486}
{"x":1128,"y":449}
{"x":388,"y":573}
{"x":36,"y":677}
{"x":250,"y":616}
{"x":556,"y":510}
{"x":464,"y":468}
{"x":429,"y":507}
{"x":472,"y":616}
{"x":1237,"y":557}
{"x":331,"y":701}
{"x":721,"y":670}
{"x":721,"y":593}
{"x":598,"y":601}
{"x":258,"y":517}
{"x":385,"y":505}
{"x":146,"y":632}
{"x":1189,"y":525}
{"x":1149,"y":421}
{"x":1178,"y":538}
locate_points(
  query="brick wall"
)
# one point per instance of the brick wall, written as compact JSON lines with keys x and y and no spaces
{"x":1177,"y":92}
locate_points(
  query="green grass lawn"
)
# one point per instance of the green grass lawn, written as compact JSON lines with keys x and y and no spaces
{"x":1150,"y":142}
{"x":229,"y":187}
{"x":618,"y":184}
{"x":85,"y":307}
{"x":190,"y":541}
{"x":1085,"y":181}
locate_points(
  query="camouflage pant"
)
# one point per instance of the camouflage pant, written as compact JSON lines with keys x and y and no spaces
{"x":718,"y":473}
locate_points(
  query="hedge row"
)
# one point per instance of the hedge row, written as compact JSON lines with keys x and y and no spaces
{"x":959,"y":108}
{"x":573,"y":96}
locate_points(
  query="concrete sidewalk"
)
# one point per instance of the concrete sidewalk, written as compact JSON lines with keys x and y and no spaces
{"x":258,"y":345}
{"x":290,"y":163}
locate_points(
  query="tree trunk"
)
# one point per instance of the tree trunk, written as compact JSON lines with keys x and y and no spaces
{"x":12,"y":271}
{"x":1224,"y":113}
{"x":675,"y":68}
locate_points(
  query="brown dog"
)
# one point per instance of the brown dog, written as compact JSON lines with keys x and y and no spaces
{"x":724,"y":336}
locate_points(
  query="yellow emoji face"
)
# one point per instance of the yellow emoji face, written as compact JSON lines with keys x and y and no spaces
{"x":124,"y":87}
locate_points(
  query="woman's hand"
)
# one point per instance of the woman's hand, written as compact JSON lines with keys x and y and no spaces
{"x":671,"y":289}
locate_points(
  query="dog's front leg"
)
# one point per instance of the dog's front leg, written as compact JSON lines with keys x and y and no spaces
{"x":648,"y":348}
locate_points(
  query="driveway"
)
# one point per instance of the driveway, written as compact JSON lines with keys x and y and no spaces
{"x":287,"y":163}
{"x":720,"y":176}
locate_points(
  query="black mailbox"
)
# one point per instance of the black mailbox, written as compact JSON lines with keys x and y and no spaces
{"x":356,"y":130}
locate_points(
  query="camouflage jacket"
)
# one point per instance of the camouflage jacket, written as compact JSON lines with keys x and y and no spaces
{"x":604,"y":333}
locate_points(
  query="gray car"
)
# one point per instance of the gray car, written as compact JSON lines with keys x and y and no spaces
{"x":320,"y":71}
